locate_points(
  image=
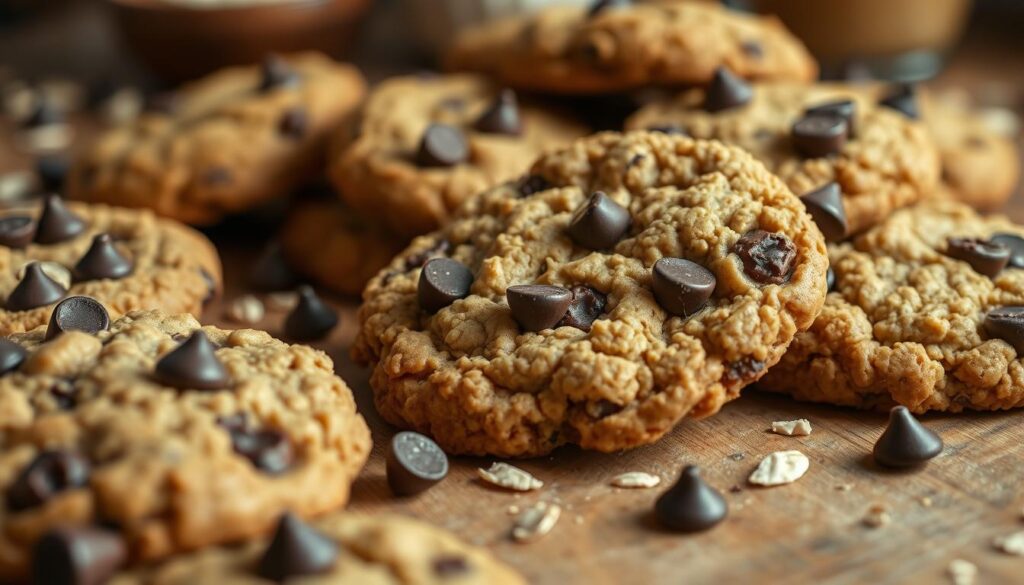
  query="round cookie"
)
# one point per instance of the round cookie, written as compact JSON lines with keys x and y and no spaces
{"x":571,"y":50}
{"x":887,"y":162}
{"x":906,"y":321}
{"x":388,"y":173}
{"x":166,"y":440}
{"x":224,"y":144}
{"x":597,"y":361}
{"x":148,"y":262}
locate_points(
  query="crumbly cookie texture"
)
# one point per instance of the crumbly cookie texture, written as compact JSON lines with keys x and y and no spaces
{"x":562,"y":49}
{"x":904,"y":324}
{"x":164,"y":472}
{"x":175,"y":268}
{"x":472,"y":379}
{"x":382,"y":549}
{"x":375,"y":166}
{"x":225,"y":146}
{"x":890,"y":161}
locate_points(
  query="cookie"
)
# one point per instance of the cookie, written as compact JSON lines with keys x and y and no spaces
{"x":128,"y":259}
{"x":167,"y":437}
{"x":881,"y":158}
{"x":662,"y":275}
{"x":425,"y":143}
{"x":914,"y":317}
{"x":573,"y":50}
{"x":225,"y":144}
{"x":379,"y":549}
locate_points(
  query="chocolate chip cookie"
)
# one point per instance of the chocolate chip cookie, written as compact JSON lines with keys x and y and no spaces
{"x":925,"y":311}
{"x":224,"y":144}
{"x":616,"y":46}
{"x":155,"y":436}
{"x":127,"y":259}
{"x":425,"y":143}
{"x":626,"y":282}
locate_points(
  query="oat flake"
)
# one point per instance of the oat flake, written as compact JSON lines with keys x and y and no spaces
{"x":509,"y":477}
{"x":1011,"y":544}
{"x":800,"y":427}
{"x":536,"y":521}
{"x":780,"y":468}
{"x":635,"y":479}
{"x":962,"y":572}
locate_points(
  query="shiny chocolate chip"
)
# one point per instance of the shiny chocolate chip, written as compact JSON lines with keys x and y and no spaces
{"x":11,"y":356}
{"x":691,"y":505}
{"x":682,"y":287}
{"x":36,"y":289}
{"x":297,"y":549}
{"x":415,"y":463}
{"x":845,"y":109}
{"x":102,"y":261}
{"x":311,"y":318}
{"x":537,"y":306}
{"x":78,"y":555}
{"x":276,"y":72}
{"x":903,"y":99}
{"x":819,"y":135}
{"x":442,"y":146}
{"x":442,"y":282}
{"x":193,"y":365}
{"x":50,"y":473}
{"x":767,"y":257}
{"x":599,"y":223}
{"x":502,"y":116}
{"x":726,"y":91}
{"x":78,"y":313}
{"x":825,"y":204}
{"x":1006,"y":323}
{"x":985,"y":257}
{"x":16,"y":231}
{"x":586,"y":306}
{"x":1016,"y":245}
{"x":906,"y":442}
{"x":57,"y":223}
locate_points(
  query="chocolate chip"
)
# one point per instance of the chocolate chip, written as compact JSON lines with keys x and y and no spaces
{"x":682,"y":287}
{"x":601,"y":5}
{"x":211,"y":286}
{"x":726,"y":91}
{"x":11,"y":356}
{"x":691,"y":505}
{"x":1016,"y":245}
{"x":502,"y":116}
{"x":671,"y":130}
{"x":903,"y":99}
{"x":985,"y":257}
{"x":743,"y":370}
{"x":825,"y":204}
{"x":78,"y":555}
{"x":586,"y":306}
{"x":57,"y":223}
{"x":217,"y":177}
{"x":442,"y":146}
{"x":530,"y":184}
{"x":64,"y":395}
{"x":449,"y":566}
{"x":36,"y":289}
{"x":845,"y":109}
{"x":537,"y":306}
{"x":102,"y":260}
{"x":50,"y":473}
{"x":311,"y":318}
{"x":78,"y":314}
{"x":16,"y":231}
{"x":52,"y":171}
{"x":293,"y":123}
{"x":906,"y":442}
{"x":296,"y":549}
{"x":599,"y":223}
{"x":752,"y":49}
{"x":442,"y":282}
{"x":268,"y":449}
{"x":276,"y":72}
{"x":271,"y":272}
{"x":44,"y":113}
{"x":1006,"y":323}
{"x":414,"y":463}
{"x":193,"y":365}
{"x":440,"y":248}
{"x":830,"y":279}
{"x":819,"y":135}
{"x":767,"y":257}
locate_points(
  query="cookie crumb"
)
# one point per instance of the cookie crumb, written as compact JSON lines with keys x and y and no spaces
{"x":844,"y":487}
{"x":635,"y":479}
{"x":779,"y":468}
{"x":245,"y":309}
{"x":509,"y":477}
{"x":962,"y":572}
{"x":926,"y":501}
{"x":877,"y":517}
{"x":578,"y":520}
{"x":1011,"y":544}
{"x":536,"y":521}
{"x":800,"y":427}
{"x":513,"y":510}
{"x":282,"y":301}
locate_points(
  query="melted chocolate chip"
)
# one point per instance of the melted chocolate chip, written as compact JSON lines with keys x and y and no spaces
{"x":985,"y":257}
{"x":502,"y":116}
{"x":691,"y":505}
{"x":442,"y":146}
{"x":767,"y":257}
{"x":57,"y":223}
{"x":537,"y":306}
{"x":102,"y":261}
{"x":906,"y":442}
{"x":16,"y":231}
{"x":415,"y":463}
{"x":295,"y":550}
{"x":442,"y":282}
{"x":726,"y":91}
{"x":50,"y":473}
{"x":36,"y":289}
{"x":682,"y":287}
{"x":78,"y":555}
{"x":193,"y":365}
{"x":79,"y":313}
{"x":586,"y":306}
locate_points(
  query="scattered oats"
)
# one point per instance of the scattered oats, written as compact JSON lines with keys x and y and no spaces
{"x":877,"y":517}
{"x":513,"y":510}
{"x":1011,"y":544}
{"x":800,"y":427}
{"x":635,"y":479}
{"x":15,"y":185}
{"x":245,"y":309}
{"x":47,"y":138}
{"x":844,"y":487}
{"x":52,"y":269}
{"x":536,"y":521}
{"x":962,"y":572}
{"x":779,"y":468}
{"x":123,"y":106}
{"x":509,"y":477}
{"x":282,"y":301}
{"x":926,"y":501}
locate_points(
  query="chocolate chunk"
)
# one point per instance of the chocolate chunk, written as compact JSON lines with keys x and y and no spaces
{"x":102,"y":260}
{"x":442,"y":282}
{"x":726,"y":91}
{"x":414,"y":464}
{"x":752,"y":49}
{"x":845,"y":109}
{"x":276,"y":72}
{"x":530,"y":184}
{"x":78,"y":555}
{"x":691,"y":505}
{"x":296,"y":550}
{"x":600,"y":6}
{"x":36,"y":289}
{"x":52,"y":171}
{"x":586,"y":306}
{"x":1016,"y":245}
{"x":271,"y":272}
{"x":502,"y":116}
{"x":11,"y":356}
{"x":268,"y":449}
{"x":830,"y":279}
{"x":537,"y":306}
{"x":193,"y":365}
{"x":57,"y":223}
{"x":78,"y":314}
{"x":825,"y":204}
{"x":767,"y":257}
{"x":50,"y":473}
{"x":682,"y":287}
{"x":906,"y":442}
{"x":985,"y":257}
{"x":311,"y":318}
{"x":599,"y":223}
{"x":903,"y":99}
{"x":1006,"y":323}
{"x":442,"y":146}
{"x":16,"y":231}
{"x":440,"y":248}
{"x":450,"y":566}
{"x":819,"y":135}
{"x":293,"y":123}
{"x":44,"y":113}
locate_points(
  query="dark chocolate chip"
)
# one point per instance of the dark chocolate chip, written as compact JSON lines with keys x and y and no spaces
{"x":440,"y":248}
{"x":985,"y":257}
{"x":1006,"y":323}
{"x":78,"y":555}
{"x":84,"y":314}
{"x":537,"y":306}
{"x":217,"y":176}
{"x":845,"y":109}
{"x":830,"y":279}
{"x":682,"y":287}
{"x":691,"y":505}
{"x":903,"y":99}
{"x":276,"y":72}
{"x":57,"y":223}
{"x":744,"y":370}
{"x":1016,"y":245}
{"x":293,"y":123}
{"x":193,"y":365}
{"x":819,"y":135}
{"x":502,"y":116}
{"x":442,"y":146}
{"x":586,"y":306}
{"x":600,"y":6}
{"x":906,"y":442}
{"x":825,"y":204}
{"x":767,"y":257}
{"x":52,"y":171}
{"x":669,"y":129}
{"x":752,"y":49}
{"x":726,"y":91}
{"x":50,"y":473}
{"x":102,"y":260}
{"x":36,"y":289}
{"x":16,"y":231}
{"x":211,"y":286}
{"x":442,"y":282}
{"x":414,"y":463}
{"x":599,"y":223}
{"x":271,"y":272}
{"x":296,"y":550}
{"x":530,"y":184}
{"x":268,"y":449}
{"x":44,"y":113}
{"x":311,"y":318}
{"x":11,"y":356}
